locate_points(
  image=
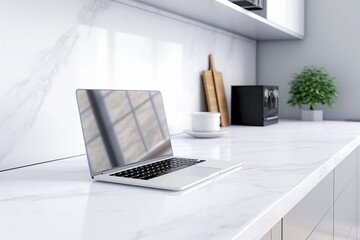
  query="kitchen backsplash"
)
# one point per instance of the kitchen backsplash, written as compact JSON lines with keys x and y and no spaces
{"x":50,"y":48}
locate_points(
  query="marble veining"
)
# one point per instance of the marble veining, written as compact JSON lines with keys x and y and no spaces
{"x":280,"y":164}
{"x":53,"y":48}
{"x":23,"y":101}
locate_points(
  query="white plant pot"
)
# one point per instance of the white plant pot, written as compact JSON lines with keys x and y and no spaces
{"x":311,"y":115}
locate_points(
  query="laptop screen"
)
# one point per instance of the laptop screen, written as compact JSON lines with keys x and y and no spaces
{"x":122,"y":127}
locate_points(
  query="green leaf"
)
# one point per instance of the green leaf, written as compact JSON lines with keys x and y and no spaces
{"x":311,"y":86}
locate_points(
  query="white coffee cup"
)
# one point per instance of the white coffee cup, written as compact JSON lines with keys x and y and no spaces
{"x":205,"y":121}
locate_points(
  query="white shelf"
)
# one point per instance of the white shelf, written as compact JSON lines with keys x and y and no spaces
{"x":226,"y":15}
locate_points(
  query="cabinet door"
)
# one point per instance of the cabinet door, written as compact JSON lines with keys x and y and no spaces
{"x":345,"y":211}
{"x":287,"y":13}
{"x":344,"y":173}
{"x":295,"y":16}
{"x":276,"y":231}
{"x":303,"y":218}
{"x":352,"y":234}
{"x":276,"y":11}
{"x":267,"y":236}
{"x":324,"y":230}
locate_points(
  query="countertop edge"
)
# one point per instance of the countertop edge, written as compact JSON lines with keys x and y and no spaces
{"x":272,"y":215}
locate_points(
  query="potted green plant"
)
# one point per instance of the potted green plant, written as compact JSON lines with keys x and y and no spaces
{"x":310,"y":87}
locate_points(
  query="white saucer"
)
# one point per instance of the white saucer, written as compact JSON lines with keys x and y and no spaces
{"x":206,"y":134}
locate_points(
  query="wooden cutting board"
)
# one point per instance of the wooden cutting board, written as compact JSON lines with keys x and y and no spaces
{"x":220,"y":93}
{"x":209,"y":87}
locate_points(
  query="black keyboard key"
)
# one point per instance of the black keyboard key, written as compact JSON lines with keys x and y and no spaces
{"x":157,"y":169}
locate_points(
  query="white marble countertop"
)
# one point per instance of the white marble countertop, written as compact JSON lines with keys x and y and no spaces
{"x":281,"y":164}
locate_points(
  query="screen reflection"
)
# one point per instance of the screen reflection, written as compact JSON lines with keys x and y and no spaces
{"x":122,"y":127}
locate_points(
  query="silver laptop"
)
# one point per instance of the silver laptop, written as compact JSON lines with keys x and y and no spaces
{"x":127,"y":141}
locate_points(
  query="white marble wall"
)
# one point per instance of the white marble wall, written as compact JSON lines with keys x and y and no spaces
{"x":49,"y":48}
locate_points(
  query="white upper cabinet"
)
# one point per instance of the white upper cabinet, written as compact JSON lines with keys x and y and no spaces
{"x":295,"y":16}
{"x":287,"y":13}
{"x":284,"y":19}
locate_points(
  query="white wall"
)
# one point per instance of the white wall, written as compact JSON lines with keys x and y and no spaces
{"x":49,"y":48}
{"x":332,"y":37}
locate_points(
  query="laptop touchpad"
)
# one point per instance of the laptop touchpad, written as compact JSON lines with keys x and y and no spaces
{"x":197,"y":171}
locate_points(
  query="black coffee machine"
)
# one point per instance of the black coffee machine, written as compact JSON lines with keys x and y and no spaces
{"x":254,"y":105}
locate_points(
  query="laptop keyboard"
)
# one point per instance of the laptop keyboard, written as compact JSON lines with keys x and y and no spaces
{"x":157,"y":169}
